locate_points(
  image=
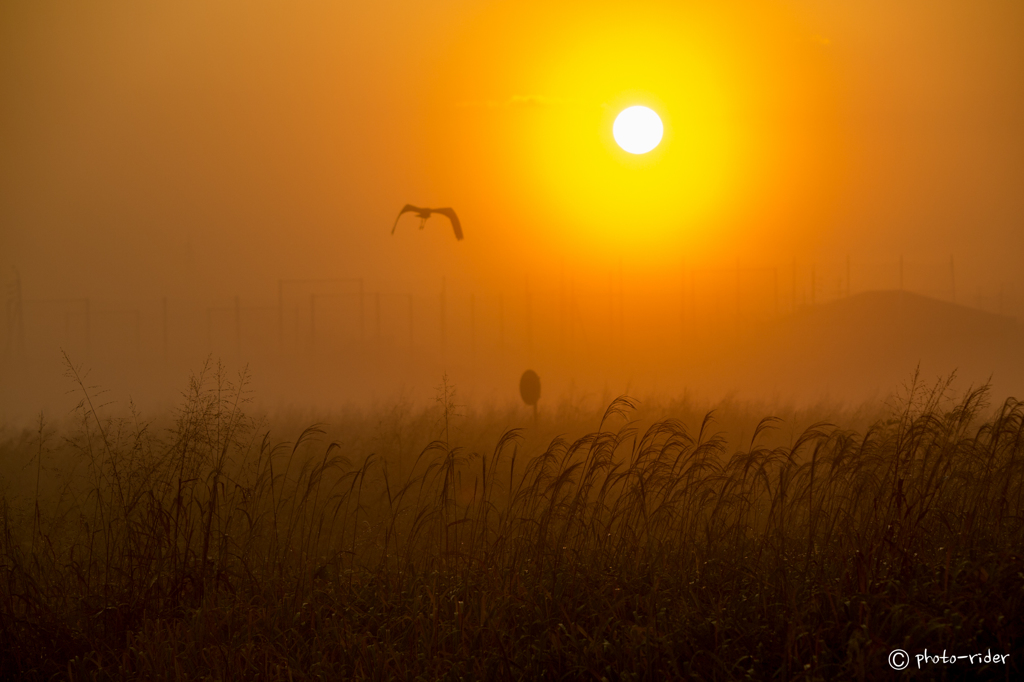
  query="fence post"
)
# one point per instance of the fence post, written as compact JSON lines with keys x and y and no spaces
{"x":88,"y":329}
{"x":775,"y":276}
{"x":622,"y":305}
{"x":443,"y":339}
{"x":238,"y":327}
{"x":793,"y":301}
{"x":412,"y":336}
{"x":163,"y":326}
{"x":137,"y":314}
{"x":693,"y":297}
{"x":572,"y":310}
{"x":952,"y":278}
{"x":737,"y":294}
{"x":561,"y":306}
{"x":312,"y":322}
{"x":611,"y":313}
{"x":529,"y":321}
{"x":501,"y":322}
{"x":16,"y":319}
{"x":682,"y":305}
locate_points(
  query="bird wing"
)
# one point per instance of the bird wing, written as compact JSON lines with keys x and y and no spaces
{"x":452,"y":217}
{"x":405,"y":209}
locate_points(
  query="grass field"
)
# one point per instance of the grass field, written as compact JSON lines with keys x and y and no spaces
{"x":439,"y":543}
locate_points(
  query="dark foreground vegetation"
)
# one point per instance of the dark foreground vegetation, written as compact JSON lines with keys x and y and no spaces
{"x":209,"y":550}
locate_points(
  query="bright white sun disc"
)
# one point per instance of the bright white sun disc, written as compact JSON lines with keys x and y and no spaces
{"x":637,"y":129}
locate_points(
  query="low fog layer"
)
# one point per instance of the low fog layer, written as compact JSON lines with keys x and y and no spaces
{"x":848,"y":350}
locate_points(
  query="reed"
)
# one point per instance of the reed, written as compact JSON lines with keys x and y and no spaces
{"x":211,"y":549}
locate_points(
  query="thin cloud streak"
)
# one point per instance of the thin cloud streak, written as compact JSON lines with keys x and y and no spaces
{"x":519,"y":101}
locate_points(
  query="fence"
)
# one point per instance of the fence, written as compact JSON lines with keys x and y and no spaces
{"x":339,"y":319}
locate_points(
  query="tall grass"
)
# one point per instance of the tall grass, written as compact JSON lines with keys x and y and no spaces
{"x":213,"y":550}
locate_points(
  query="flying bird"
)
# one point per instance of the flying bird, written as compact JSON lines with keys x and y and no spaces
{"x":424,"y":213}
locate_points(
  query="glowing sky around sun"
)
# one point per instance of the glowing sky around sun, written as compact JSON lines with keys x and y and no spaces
{"x":202,"y":146}
{"x":748,"y":113}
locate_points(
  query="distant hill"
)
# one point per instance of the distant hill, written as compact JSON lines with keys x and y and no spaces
{"x":874,"y":341}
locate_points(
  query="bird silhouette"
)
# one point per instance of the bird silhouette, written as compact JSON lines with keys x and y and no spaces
{"x":424,"y":213}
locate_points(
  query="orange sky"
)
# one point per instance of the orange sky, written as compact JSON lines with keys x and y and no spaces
{"x":202,"y":150}
{"x":211,"y":148}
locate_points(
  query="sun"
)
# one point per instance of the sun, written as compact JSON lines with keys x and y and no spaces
{"x":637,"y":129}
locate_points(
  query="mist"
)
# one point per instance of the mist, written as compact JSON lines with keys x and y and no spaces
{"x":183,"y":182}
{"x":743,"y":404}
